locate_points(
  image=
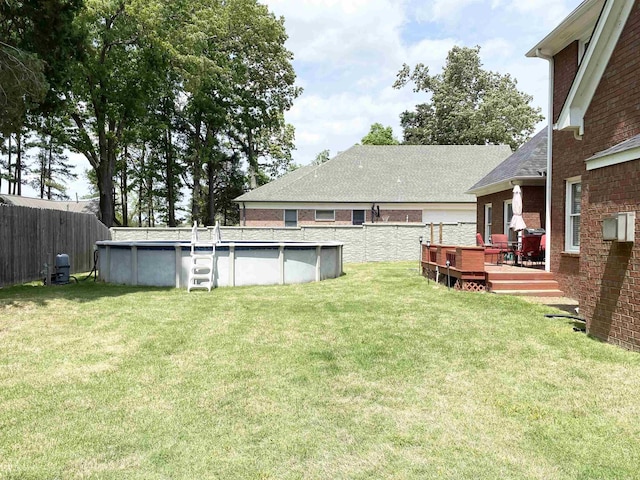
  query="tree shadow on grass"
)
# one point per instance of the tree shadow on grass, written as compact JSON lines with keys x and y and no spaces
{"x":21,"y":296}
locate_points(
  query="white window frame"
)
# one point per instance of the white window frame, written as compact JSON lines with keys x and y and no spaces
{"x":487,"y":221}
{"x":569,"y":246}
{"x":284,"y":215}
{"x":507,"y":220}
{"x":332,"y":219}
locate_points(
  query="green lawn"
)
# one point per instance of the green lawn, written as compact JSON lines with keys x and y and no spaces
{"x":372,"y":375}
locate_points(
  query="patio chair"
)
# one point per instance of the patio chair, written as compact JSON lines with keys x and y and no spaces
{"x":488,"y":250}
{"x":543,"y":247}
{"x":500,"y":241}
{"x":530,"y":248}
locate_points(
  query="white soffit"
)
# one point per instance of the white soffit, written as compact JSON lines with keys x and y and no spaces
{"x":578,"y":25}
{"x":613,"y":159}
{"x":603,"y":42}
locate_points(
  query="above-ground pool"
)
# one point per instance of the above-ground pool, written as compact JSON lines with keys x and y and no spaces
{"x":167,"y":263}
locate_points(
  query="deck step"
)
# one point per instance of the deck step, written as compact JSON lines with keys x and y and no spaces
{"x":495,"y":285}
{"x":531,"y":293}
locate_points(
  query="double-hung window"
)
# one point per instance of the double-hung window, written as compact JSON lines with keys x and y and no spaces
{"x":488,"y":213}
{"x":290,"y":218}
{"x":572,"y":214}
{"x":325,"y":215}
{"x":357,"y":217}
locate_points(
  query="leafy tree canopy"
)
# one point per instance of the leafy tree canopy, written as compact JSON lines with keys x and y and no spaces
{"x":379,"y":135}
{"x":322,"y":157}
{"x":468,"y":105}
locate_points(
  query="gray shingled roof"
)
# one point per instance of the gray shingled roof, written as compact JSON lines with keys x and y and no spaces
{"x":81,"y":206}
{"x":387,"y":173}
{"x":528,"y":161}
{"x":633,"y":142}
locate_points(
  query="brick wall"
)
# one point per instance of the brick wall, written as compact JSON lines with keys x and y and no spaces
{"x":610,"y":297}
{"x":264,"y":217}
{"x":565,"y":68}
{"x":605,"y":276}
{"x":275,"y":217}
{"x":568,"y":162}
{"x":533,"y":208}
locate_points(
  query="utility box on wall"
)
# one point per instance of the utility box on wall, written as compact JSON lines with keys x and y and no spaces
{"x":620,"y":227}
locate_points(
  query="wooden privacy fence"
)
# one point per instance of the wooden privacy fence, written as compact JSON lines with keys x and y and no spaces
{"x":31,"y":237}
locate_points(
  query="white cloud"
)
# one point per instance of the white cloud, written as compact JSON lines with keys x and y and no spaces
{"x":444,"y":10}
{"x":347,"y":55}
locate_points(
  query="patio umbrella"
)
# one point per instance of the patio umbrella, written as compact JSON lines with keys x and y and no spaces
{"x":517,"y":222}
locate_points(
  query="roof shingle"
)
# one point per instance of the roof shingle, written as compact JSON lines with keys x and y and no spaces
{"x":530,"y":160}
{"x":387,"y":173}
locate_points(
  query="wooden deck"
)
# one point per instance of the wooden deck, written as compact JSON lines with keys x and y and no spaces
{"x":467,"y":268}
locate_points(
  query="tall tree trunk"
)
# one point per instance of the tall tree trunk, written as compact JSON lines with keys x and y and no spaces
{"x":9,"y":175}
{"x":196,"y":170}
{"x":211,"y":196}
{"x":253,"y":170}
{"x":17,"y":184}
{"x":48,"y":172}
{"x":123,"y":189}
{"x":171,"y":200}
{"x":141,"y":183}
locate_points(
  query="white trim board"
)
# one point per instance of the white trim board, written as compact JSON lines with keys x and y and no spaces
{"x":603,"y":42}
{"x":614,"y":159}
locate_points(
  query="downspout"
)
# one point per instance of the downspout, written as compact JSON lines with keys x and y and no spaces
{"x":547,"y":224}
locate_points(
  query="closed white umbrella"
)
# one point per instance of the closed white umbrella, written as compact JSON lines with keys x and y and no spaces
{"x":517,"y":222}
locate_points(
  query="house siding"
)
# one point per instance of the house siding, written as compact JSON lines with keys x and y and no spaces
{"x":605,"y":276}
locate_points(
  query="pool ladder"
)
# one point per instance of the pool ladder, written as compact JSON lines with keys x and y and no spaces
{"x":202,"y":263}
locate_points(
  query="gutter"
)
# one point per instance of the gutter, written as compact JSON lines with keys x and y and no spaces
{"x":547,"y":224}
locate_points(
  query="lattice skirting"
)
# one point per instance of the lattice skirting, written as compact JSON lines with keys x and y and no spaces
{"x":470,"y":285}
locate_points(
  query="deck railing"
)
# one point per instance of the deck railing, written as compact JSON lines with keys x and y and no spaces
{"x":466,"y":265}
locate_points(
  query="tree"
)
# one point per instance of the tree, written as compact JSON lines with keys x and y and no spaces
{"x":322,"y":157}
{"x":468,"y":105}
{"x":379,"y":135}
{"x":118,"y":76}
{"x":52,"y":164}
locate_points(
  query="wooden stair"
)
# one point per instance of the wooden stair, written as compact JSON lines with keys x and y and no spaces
{"x":523,"y":281}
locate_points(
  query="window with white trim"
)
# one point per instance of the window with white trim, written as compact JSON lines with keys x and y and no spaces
{"x":325,"y":215}
{"x":508,"y":213}
{"x":572,"y":214}
{"x":290,"y":218}
{"x":488,"y":213}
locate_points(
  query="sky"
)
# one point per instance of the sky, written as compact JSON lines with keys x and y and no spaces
{"x":347,"y":54}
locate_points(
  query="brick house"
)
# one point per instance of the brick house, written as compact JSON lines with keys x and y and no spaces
{"x":370,"y":183}
{"x":595,"y":168}
{"x":526,"y":167}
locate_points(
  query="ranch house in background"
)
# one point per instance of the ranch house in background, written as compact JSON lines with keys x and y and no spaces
{"x":368,"y":183}
{"x":527,"y":167}
{"x":594,"y":174}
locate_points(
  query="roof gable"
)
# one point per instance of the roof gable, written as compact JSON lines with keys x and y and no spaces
{"x":387,"y":173}
{"x":579,"y":24}
{"x":78,"y":206}
{"x":529,"y":162}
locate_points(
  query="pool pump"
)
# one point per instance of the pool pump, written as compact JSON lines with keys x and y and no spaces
{"x":61,"y":274}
